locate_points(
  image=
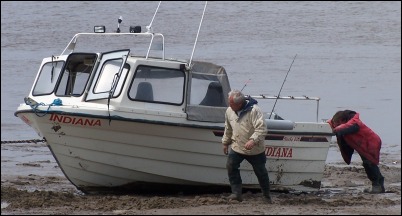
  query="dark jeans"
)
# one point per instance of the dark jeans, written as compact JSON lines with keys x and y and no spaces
{"x":258,"y":163}
{"x":373,"y":172}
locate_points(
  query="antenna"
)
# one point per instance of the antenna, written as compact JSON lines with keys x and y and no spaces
{"x":199,"y":27}
{"x":150,"y":24}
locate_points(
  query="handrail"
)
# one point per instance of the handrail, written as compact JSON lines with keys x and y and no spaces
{"x":73,"y":41}
{"x":261,"y":96}
{"x":286,"y":97}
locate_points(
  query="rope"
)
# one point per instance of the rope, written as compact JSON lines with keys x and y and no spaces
{"x":34,"y":105}
{"x":24,"y":141}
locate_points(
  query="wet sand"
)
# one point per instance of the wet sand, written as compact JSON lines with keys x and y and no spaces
{"x":32,"y":183}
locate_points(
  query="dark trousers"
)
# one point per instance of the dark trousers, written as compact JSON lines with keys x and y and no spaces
{"x":373,"y":172}
{"x":258,"y":163}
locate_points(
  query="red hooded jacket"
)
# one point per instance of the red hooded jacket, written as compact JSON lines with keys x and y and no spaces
{"x":359,"y":137}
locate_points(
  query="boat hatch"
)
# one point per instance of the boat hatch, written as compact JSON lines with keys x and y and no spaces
{"x":106,"y":78}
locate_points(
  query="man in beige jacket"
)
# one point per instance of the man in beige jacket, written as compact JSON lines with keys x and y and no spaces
{"x":245,"y":131}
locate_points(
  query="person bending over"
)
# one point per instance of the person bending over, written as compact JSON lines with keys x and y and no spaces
{"x":352,"y":134}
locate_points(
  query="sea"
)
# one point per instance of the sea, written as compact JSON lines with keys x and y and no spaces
{"x":347,"y":53}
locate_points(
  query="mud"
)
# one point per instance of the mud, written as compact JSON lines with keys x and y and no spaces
{"x":344,"y":190}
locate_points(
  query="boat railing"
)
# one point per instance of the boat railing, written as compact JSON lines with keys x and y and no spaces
{"x":317,"y":99}
{"x":71,"y":45}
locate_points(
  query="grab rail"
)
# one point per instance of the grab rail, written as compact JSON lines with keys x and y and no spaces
{"x":261,"y":96}
{"x":71,"y":45}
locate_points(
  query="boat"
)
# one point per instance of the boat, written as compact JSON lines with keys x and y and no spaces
{"x":121,"y":118}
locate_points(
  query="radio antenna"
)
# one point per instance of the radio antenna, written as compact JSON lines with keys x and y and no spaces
{"x":281,"y":87}
{"x":196,"y":38}
{"x":149,"y":27}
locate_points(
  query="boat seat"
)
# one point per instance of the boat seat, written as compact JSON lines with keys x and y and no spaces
{"x":214,"y":96}
{"x":144,"y":92}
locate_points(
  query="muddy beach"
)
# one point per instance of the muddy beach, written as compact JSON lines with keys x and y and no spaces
{"x":35,"y":185}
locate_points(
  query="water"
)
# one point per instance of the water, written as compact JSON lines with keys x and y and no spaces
{"x":348,"y":53}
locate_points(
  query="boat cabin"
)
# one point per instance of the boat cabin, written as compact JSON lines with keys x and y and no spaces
{"x":126,"y":82}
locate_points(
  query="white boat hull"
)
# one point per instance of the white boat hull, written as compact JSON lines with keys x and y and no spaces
{"x":94,"y":154}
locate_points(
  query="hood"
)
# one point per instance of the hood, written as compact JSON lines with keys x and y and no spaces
{"x":249,"y":105}
{"x":350,"y":114}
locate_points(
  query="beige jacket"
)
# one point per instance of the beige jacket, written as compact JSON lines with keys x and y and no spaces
{"x":250,"y":125}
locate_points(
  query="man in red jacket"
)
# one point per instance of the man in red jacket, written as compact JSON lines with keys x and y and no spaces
{"x":352,"y":134}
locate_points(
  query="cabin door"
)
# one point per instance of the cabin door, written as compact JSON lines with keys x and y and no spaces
{"x":108,"y":72}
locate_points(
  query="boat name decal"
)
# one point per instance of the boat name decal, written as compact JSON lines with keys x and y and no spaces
{"x":278,"y":152}
{"x":75,"y":121}
{"x":291,"y":138}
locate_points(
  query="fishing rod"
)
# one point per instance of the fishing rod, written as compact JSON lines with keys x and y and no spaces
{"x":281,"y":87}
{"x":245,"y":84}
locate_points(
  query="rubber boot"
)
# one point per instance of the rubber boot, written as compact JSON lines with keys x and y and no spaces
{"x":375,"y":189}
{"x":378,"y":188}
{"x":374,"y":174}
{"x":236,"y":193}
{"x":369,"y":171}
{"x":382,"y":184}
{"x":267,"y":194}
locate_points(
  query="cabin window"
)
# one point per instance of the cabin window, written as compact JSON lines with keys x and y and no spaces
{"x":76,"y":74}
{"x":108,"y":74}
{"x":158,"y":85}
{"x":48,"y":78}
{"x":207,"y":90}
